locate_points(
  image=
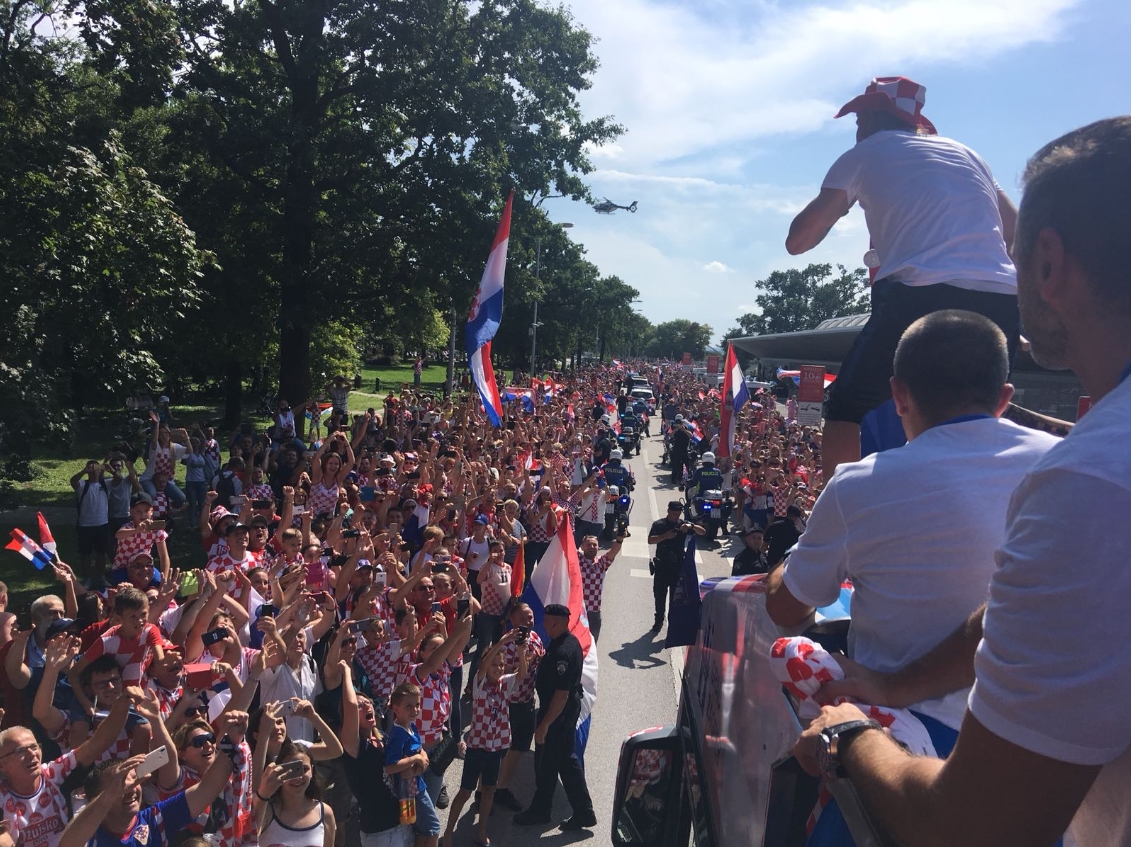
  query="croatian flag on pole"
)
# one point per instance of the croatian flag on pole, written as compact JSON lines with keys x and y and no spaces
{"x":557,"y":579}
{"x":29,"y":549}
{"x":735,"y":396}
{"x":484,"y":318}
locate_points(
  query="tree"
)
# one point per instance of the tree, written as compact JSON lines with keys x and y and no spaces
{"x":674,"y":338}
{"x":794,"y":300}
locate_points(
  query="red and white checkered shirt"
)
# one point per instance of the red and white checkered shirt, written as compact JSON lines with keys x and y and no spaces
{"x":381,"y":663}
{"x":537,"y":527}
{"x":38,"y":820}
{"x":163,"y":462}
{"x":166,"y":699}
{"x":261,"y":491}
{"x":160,"y":504}
{"x":225,"y":562}
{"x":535,"y":650}
{"x":435,"y":702}
{"x":139,"y":542}
{"x":490,"y":717}
{"x":496,"y":590}
{"x":781,"y":504}
{"x":570,"y":504}
{"x":131,"y":654}
{"x":593,"y":579}
{"x":322,"y":500}
{"x":239,"y":830}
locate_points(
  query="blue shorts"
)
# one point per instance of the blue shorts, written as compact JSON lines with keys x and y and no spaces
{"x":481,"y":763}
{"x":427,"y":821}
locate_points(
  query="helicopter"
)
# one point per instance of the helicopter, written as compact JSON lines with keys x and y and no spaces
{"x":608,"y":207}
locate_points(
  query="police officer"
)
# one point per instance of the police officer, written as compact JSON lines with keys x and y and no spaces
{"x":705,"y":478}
{"x":616,"y":473}
{"x":679,"y":444}
{"x":602,"y":444}
{"x":669,"y":534}
{"x":559,"y":705}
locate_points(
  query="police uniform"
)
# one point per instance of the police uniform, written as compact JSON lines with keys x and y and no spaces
{"x":669,"y":564}
{"x":559,"y":670}
{"x":705,"y":479}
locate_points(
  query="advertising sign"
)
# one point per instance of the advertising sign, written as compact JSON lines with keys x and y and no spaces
{"x":811,"y":395}
{"x":687,"y":358}
{"x":712,"y":364}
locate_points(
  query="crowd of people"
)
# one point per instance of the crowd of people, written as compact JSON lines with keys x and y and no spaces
{"x":340,"y":618}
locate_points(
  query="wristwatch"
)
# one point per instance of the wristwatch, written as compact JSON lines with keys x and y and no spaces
{"x":833,"y":741}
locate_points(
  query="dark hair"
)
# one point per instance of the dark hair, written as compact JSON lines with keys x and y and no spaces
{"x":288,"y":750}
{"x":105,"y":662}
{"x":1078,"y":185}
{"x":92,"y":785}
{"x":952,"y":362}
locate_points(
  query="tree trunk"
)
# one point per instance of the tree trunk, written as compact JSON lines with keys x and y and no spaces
{"x":233,"y":393}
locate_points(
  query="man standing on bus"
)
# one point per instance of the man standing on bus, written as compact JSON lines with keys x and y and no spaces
{"x":941,"y":229}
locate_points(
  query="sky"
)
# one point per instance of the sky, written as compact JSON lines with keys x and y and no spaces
{"x":729,"y":104}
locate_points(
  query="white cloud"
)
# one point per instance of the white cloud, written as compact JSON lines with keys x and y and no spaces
{"x":716,"y":267}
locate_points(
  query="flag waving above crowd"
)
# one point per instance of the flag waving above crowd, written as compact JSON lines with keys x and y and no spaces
{"x":484,"y":318}
{"x":734,"y":397}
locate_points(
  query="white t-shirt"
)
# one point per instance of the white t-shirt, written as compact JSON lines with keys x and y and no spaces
{"x":469,"y":545}
{"x":1054,"y":666}
{"x":915,"y":529}
{"x":931,"y":205}
{"x":94,"y":500}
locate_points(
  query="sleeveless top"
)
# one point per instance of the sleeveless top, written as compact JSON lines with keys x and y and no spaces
{"x":322,"y":499}
{"x":278,"y":834}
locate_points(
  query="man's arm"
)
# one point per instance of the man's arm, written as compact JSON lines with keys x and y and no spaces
{"x":783,"y":608}
{"x":813,"y":223}
{"x":1008,"y":214}
{"x":989,"y":792}
{"x":115,"y":783}
{"x":557,"y":704}
{"x":946,"y":668}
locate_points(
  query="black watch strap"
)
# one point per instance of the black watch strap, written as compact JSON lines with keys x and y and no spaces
{"x":838,"y":737}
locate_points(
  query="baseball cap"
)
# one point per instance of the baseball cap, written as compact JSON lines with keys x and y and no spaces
{"x":58,"y":626}
{"x":483,"y":519}
{"x":258,"y":520}
{"x":140,"y":497}
{"x":236,"y":526}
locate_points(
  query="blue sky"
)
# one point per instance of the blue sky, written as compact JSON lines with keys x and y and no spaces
{"x":729,"y":108}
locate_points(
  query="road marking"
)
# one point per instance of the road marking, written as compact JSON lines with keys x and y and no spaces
{"x":640,"y":572}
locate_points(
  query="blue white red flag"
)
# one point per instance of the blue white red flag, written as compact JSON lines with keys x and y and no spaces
{"x":734,"y":397}
{"x":29,"y":549}
{"x":526,"y":395}
{"x":696,"y":432}
{"x":557,"y":579}
{"x":484,"y":318}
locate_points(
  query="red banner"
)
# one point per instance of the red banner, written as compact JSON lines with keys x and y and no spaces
{"x":712,"y":364}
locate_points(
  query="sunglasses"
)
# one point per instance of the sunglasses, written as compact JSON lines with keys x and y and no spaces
{"x":194,"y":711}
{"x":198,"y":741}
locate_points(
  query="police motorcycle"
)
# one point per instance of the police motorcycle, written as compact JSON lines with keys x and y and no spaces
{"x":618,"y":505}
{"x":640,"y":409}
{"x":629,"y":436}
{"x":708,"y":507}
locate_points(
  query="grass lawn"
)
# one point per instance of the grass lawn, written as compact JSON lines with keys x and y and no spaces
{"x":392,"y":378}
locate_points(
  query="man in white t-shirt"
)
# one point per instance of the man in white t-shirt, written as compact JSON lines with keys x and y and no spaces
{"x":1045,"y":745}
{"x":940,"y":228}
{"x":915,"y":528}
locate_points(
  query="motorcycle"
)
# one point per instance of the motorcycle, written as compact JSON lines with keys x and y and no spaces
{"x":617,"y":510}
{"x":707,"y":510}
{"x":628,"y":439}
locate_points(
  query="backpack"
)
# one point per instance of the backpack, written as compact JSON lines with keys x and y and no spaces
{"x":226,"y":488}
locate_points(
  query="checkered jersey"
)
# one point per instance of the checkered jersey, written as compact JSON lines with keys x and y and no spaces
{"x":778,"y":498}
{"x":538,"y":528}
{"x":322,"y":500}
{"x":131,"y":654}
{"x":496,"y":589}
{"x":535,"y":650}
{"x":226,"y":562}
{"x":166,"y":699}
{"x":160,"y":504}
{"x":570,"y":505}
{"x":163,"y":462}
{"x":38,"y":820}
{"x":239,"y":830}
{"x":261,"y":491}
{"x":435,"y":702}
{"x":139,"y":542}
{"x":383,"y":663}
{"x":593,"y":579}
{"x":490,"y":716}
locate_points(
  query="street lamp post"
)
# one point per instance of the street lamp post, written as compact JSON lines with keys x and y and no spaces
{"x":537,"y":278}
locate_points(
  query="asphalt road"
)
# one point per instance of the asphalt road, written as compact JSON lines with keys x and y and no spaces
{"x":637,"y":678}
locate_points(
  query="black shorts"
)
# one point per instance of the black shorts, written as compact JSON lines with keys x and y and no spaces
{"x":522,"y":726}
{"x":481,"y":763}
{"x":94,"y":539}
{"x":862,"y":383}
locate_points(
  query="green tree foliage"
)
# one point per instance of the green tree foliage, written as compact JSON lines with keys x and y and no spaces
{"x":672,"y":339}
{"x":794,"y":300}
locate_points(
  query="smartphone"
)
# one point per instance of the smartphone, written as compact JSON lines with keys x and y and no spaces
{"x":291,"y":769}
{"x":288,"y":708}
{"x":351,"y":533}
{"x":360,"y":626}
{"x":267,"y":610}
{"x":154,"y":761}
{"x":261,"y":504}
{"x":157,"y":524}
{"x":198,"y":675}
{"x":217,"y":634}
{"x":523,"y":634}
{"x":298,"y":509}
{"x":380,"y":578}
{"x":189,"y":585}
{"x":435,"y":608}
{"x":463,"y":606}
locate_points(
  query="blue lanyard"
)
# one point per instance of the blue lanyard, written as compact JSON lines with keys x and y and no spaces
{"x":964,"y":418}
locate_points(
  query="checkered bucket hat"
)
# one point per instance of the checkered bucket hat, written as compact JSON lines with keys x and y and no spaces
{"x":896,"y":95}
